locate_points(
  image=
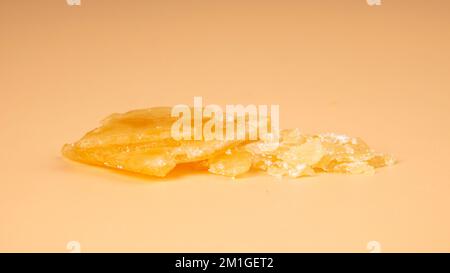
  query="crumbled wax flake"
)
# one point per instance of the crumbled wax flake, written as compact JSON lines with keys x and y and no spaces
{"x":140,"y":141}
{"x":304,"y":155}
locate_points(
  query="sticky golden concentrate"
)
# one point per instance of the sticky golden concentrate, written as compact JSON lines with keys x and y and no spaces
{"x":140,"y":141}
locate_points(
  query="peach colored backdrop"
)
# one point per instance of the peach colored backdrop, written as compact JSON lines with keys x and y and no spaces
{"x":378,"y":72}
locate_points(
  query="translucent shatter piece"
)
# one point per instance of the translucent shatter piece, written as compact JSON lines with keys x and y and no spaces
{"x":140,"y":141}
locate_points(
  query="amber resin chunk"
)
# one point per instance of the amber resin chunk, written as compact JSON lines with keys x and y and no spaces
{"x":140,"y":141}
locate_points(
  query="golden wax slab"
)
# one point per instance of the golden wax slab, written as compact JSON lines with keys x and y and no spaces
{"x":140,"y":141}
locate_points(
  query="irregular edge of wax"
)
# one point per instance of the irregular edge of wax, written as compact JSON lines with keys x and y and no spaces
{"x":118,"y":161}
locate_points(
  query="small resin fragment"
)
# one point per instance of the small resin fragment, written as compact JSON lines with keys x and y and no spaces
{"x":231,"y":163}
{"x":140,"y":141}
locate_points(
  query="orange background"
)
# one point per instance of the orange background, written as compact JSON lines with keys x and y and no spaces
{"x":378,"y":72}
